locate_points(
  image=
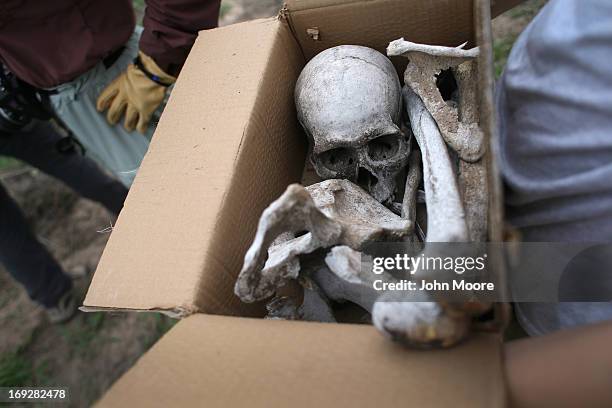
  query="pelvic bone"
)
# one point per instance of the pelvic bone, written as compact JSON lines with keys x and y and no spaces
{"x":426,"y":62}
{"x":334,"y":212}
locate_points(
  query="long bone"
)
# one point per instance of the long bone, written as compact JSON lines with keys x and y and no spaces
{"x":343,"y":278}
{"x":448,"y":221}
{"x":338,"y":277}
{"x":334,"y":212}
{"x":472,"y":177}
{"x":426,"y":62}
{"x":445,"y":213}
{"x":415,"y":318}
{"x":413,"y":179}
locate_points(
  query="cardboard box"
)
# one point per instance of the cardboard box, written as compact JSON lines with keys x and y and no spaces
{"x":227,"y":145}
{"x":205,"y":361}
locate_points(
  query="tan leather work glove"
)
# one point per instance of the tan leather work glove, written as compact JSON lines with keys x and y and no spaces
{"x":138,"y":92}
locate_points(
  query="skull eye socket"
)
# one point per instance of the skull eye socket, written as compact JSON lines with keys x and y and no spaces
{"x":384,"y":147}
{"x":340,"y":159}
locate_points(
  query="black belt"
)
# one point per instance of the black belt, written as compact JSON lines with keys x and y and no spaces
{"x":111,"y":58}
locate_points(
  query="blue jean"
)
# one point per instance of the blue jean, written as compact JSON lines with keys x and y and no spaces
{"x":26,"y":259}
{"x":113,"y":147}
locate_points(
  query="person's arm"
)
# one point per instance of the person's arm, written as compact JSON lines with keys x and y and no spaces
{"x":171,"y":27}
{"x":571,"y":368}
{"x":501,"y":6}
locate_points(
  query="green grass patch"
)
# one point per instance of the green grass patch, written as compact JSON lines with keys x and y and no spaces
{"x":501,"y":50}
{"x":7,"y":163}
{"x":15,"y":371}
{"x":502,"y":46}
{"x":528,"y":9}
{"x":225,"y":7}
{"x":162,"y":324}
{"x":80,"y":334}
{"x":138,"y":4}
{"x":18,"y":370}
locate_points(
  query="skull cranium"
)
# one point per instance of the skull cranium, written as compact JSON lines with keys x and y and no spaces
{"x":348,"y":101}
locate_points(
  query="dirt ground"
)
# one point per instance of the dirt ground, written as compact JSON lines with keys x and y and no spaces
{"x":90,"y":352}
{"x":235,"y":11}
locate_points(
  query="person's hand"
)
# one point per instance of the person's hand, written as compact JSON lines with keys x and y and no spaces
{"x":137,"y":92}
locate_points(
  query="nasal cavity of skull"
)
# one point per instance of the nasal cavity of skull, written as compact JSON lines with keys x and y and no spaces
{"x":447,"y":85}
{"x":384,"y":148}
{"x":338,"y":159}
{"x":365,"y":179}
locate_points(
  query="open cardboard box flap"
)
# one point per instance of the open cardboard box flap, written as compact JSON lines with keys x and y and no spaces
{"x":190,"y":213}
{"x":217,"y":361}
{"x":229,"y":143}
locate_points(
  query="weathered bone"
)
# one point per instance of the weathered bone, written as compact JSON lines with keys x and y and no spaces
{"x":363,"y":218}
{"x":401,"y":47}
{"x":410,"y":317}
{"x":472,"y":177}
{"x":344,"y":280}
{"x":415,"y":321}
{"x":445,"y":213}
{"x":294,"y":211}
{"x":348,"y":100}
{"x":427,"y":61}
{"x":413,"y":179}
{"x":414,"y":318}
{"x":334,"y":212}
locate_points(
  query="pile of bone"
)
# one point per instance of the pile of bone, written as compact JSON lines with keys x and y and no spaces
{"x":362,"y":143}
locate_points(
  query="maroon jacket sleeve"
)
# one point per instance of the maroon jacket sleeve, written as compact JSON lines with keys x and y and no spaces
{"x":171,"y":27}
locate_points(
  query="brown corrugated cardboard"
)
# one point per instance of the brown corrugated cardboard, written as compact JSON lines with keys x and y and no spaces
{"x":207,"y":175}
{"x":229,"y":143}
{"x":213,"y":361}
{"x":375,"y":23}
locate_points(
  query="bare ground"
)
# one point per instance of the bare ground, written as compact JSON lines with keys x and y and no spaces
{"x":235,"y":11}
{"x":90,"y":352}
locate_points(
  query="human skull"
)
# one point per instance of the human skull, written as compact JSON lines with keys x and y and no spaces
{"x":348,"y":101}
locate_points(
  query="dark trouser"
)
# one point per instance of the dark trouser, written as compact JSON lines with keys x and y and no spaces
{"x":20,"y":252}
